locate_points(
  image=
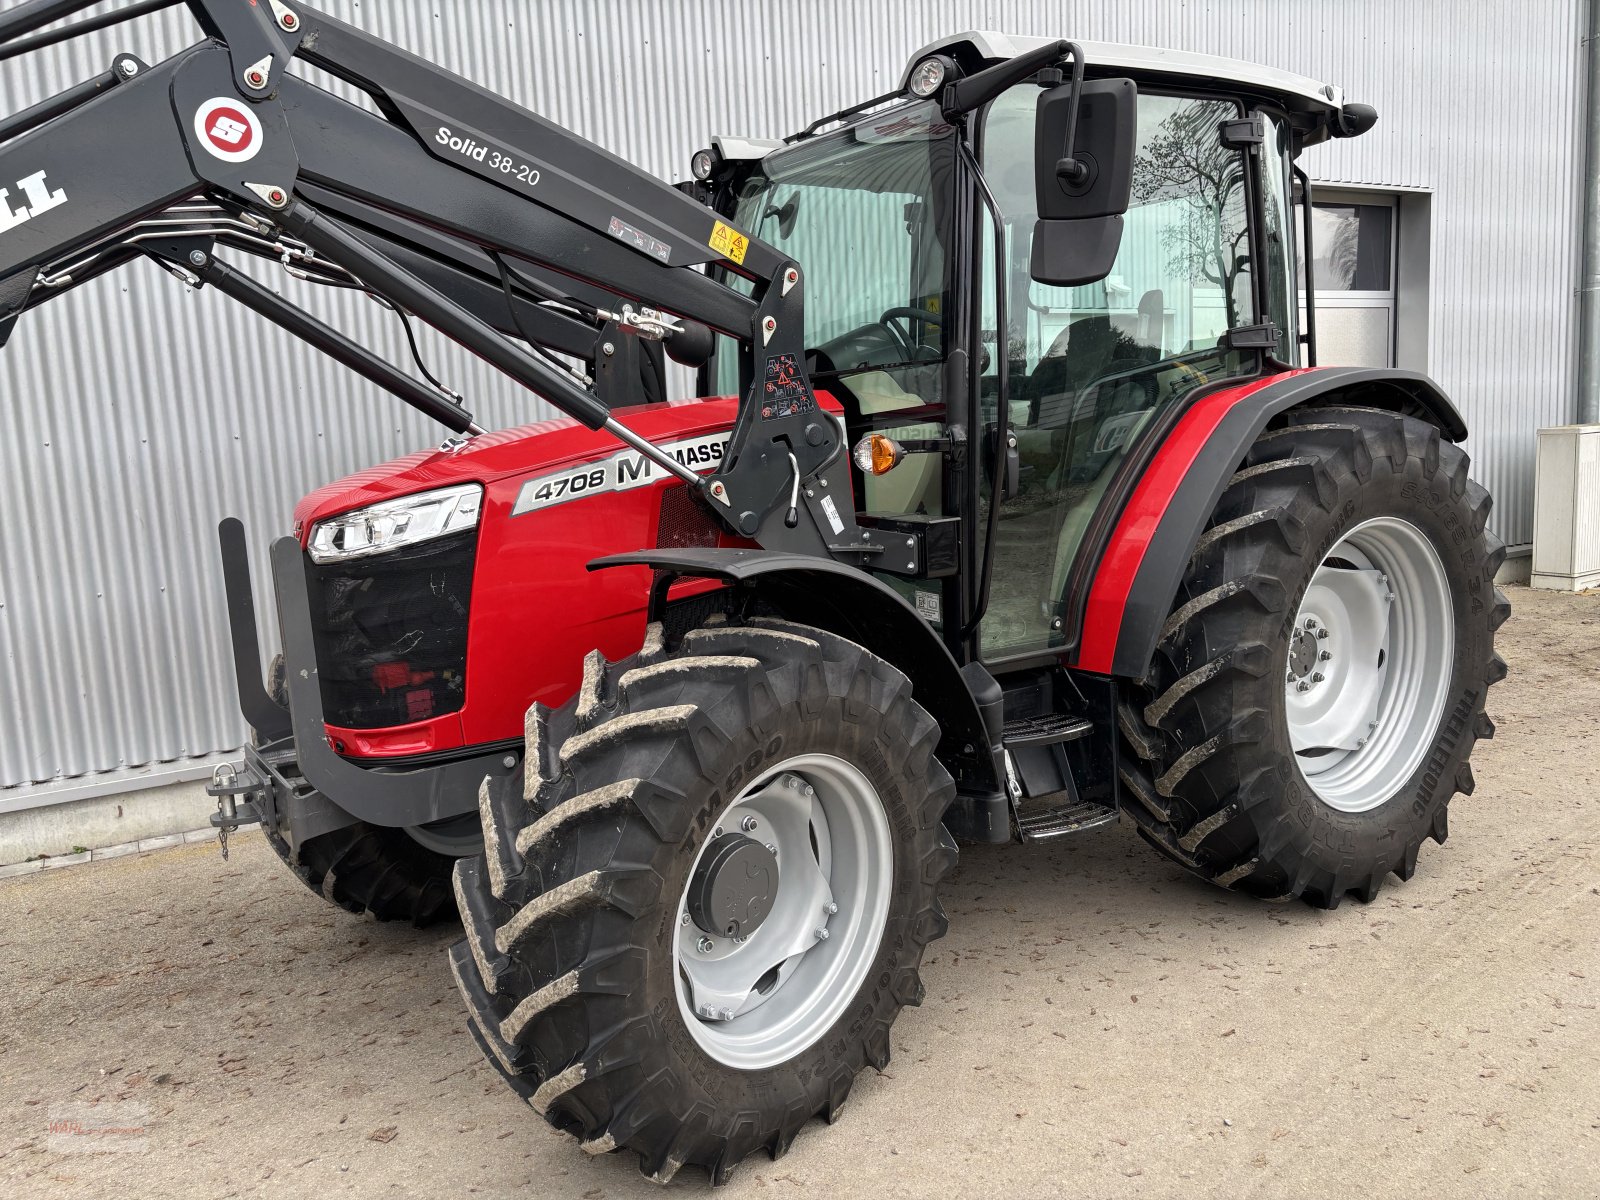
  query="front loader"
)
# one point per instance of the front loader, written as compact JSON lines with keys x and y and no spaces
{"x":1013,"y":505}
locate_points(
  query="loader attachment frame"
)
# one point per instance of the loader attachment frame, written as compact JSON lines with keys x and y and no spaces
{"x":443,"y":193}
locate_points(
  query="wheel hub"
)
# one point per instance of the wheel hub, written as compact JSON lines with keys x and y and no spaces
{"x":1368,"y":663}
{"x":732,"y":892}
{"x":767,"y":959}
{"x":1307,"y":648}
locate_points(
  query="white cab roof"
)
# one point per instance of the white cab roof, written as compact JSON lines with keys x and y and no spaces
{"x":991,"y":45}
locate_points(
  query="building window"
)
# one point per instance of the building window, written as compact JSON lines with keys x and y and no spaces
{"x":1354,"y":268}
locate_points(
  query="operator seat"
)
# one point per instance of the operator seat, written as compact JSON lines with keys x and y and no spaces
{"x":1089,"y":349}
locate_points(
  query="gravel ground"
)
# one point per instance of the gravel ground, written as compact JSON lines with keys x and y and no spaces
{"x":1096,"y":1024}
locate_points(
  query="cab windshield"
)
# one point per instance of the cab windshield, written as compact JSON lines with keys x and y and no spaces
{"x":865,"y":211}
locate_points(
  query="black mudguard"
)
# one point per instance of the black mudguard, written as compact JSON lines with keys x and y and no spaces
{"x":853,"y":604}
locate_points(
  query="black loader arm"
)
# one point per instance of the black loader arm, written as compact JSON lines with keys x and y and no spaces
{"x":112,"y":161}
{"x":450,"y":203}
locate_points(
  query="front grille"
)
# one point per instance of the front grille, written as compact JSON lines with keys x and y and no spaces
{"x":391,"y":633}
{"x":684,"y":521}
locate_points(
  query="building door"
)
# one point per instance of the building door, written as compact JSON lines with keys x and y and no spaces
{"x":1353,"y":267}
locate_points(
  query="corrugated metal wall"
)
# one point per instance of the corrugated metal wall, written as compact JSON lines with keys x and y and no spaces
{"x":134,"y":414}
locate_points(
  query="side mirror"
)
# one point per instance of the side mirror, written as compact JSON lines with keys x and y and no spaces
{"x":1083,"y":174}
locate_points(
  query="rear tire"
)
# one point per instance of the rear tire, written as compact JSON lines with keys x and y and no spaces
{"x":365,"y":868}
{"x":1232,"y":763}
{"x":580,"y":950}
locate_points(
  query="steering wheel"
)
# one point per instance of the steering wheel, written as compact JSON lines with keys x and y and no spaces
{"x":912,"y":349}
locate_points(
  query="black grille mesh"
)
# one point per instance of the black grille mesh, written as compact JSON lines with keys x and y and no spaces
{"x":391,"y":633}
{"x":684,"y":521}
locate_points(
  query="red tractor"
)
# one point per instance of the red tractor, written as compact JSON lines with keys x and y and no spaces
{"x":1016,"y":506}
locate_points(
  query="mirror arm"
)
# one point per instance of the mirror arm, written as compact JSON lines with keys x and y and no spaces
{"x":973,"y":92}
{"x":1068,"y":167}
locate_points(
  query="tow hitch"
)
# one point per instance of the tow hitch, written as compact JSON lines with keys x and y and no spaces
{"x":236,"y":789}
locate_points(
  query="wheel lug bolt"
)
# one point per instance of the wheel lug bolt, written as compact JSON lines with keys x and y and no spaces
{"x":810,"y":791}
{"x":717,"y":832}
{"x":684,"y":919}
{"x":1325,"y":655}
{"x":1303,"y":686}
{"x":830,"y":908}
{"x":1289,"y":678}
{"x":1322,"y":633}
{"x":705,"y":945}
{"x":1311,"y":622}
{"x":822,"y":935}
{"x":1317,"y":677}
{"x":748,"y":824}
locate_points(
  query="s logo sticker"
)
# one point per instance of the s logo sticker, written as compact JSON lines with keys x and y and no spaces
{"x":228,"y":130}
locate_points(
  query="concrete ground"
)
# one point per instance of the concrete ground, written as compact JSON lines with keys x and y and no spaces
{"x":1096,"y":1023}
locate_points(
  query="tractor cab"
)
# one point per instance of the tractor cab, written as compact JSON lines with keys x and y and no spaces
{"x":1016,"y":366}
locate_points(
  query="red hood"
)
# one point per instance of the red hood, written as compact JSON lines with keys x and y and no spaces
{"x":492,"y":456}
{"x":536,"y":609}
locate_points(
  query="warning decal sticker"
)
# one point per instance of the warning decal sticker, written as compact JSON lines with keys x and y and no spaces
{"x":729,"y":242}
{"x":785,"y":394}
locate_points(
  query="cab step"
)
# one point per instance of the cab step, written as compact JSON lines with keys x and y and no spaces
{"x":1044,"y":824}
{"x":1048,"y":729}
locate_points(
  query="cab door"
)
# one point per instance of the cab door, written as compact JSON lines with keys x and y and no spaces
{"x":1091,"y":368}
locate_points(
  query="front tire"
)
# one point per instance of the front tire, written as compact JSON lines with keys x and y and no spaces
{"x":598,"y":956}
{"x":1320,"y":683}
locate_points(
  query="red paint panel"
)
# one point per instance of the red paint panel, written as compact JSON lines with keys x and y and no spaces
{"x":1113,"y":580}
{"x":536,"y":608}
{"x":525,"y":450}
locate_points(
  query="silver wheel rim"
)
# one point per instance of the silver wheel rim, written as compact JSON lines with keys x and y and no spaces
{"x":454,"y":836}
{"x":759,"y":1001}
{"x":1369,"y":664}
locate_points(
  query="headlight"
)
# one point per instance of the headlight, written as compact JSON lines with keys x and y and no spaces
{"x":395,"y":523}
{"x":928,"y":75}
